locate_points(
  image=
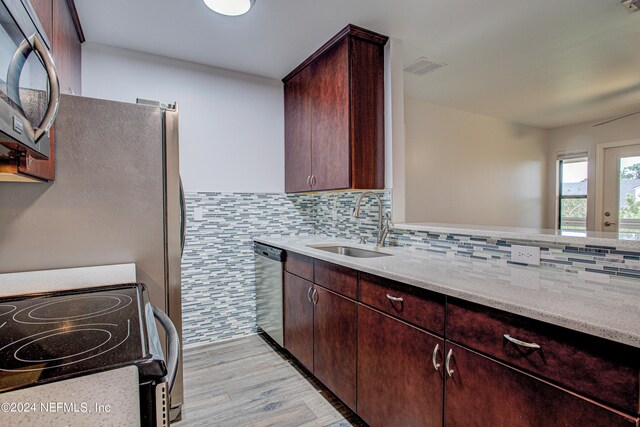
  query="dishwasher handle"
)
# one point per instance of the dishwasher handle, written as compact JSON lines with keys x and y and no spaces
{"x":270,"y":252}
{"x":173,"y":350}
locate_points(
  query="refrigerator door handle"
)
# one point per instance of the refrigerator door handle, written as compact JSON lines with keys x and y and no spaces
{"x":183,"y":219}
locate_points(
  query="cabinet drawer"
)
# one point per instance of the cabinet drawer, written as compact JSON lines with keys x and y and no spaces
{"x":337,"y":278}
{"x":598,"y":368}
{"x":300,"y":265}
{"x":422,"y":308}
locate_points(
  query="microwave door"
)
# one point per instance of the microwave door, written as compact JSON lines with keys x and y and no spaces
{"x":15,"y":71}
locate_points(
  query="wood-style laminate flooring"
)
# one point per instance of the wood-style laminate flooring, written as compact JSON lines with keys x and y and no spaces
{"x":250,"y":382}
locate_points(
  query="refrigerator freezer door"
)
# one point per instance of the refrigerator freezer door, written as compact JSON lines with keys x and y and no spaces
{"x":173,"y":227}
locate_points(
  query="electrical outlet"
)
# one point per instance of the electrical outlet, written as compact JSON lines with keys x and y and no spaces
{"x":198,"y":214}
{"x":525,"y":254}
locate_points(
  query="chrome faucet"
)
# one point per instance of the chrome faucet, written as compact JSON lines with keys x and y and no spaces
{"x":383,"y":229}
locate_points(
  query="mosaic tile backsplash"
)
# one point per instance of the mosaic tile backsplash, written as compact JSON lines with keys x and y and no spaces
{"x":218,"y":262}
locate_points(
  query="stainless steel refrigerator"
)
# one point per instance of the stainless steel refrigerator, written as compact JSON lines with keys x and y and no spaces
{"x":116,"y":199}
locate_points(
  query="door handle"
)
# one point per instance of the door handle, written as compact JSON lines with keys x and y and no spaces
{"x":394,"y":299}
{"x":609,"y":223}
{"x":520,"y":343}
{"x":183,"y":218}
{"x":309,"y":294}
{"x":314,"y":297}
{"x":27,"y":46}
{"x":313,"y":181}
{"x":436,"y":365}
{"x":447,"y":363}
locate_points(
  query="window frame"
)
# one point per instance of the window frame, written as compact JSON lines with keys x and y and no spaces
{"x":575,"y":158}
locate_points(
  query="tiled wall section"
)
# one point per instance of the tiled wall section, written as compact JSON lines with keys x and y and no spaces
{"x":218,"y":274}
{"x":603,"y":261}
{"x":218,"y":288}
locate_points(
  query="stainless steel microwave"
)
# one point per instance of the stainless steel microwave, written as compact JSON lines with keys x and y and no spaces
{"x":29,"y":89}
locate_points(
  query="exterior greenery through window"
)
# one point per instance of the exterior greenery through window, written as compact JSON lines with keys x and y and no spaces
{"x":572,"y":191}
{"x":629,"y":215}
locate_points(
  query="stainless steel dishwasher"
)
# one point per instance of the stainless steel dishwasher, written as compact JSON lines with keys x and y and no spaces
{"x":269,"y":275}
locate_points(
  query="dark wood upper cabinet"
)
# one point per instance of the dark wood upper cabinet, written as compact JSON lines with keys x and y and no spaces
{"x":66,"y":39}
{"x":398,"y":383}
{"x":298,"y":319}
{"x":334,"y":344}
{"x":60,"y":22}
{"x":483,"y":392}
{"x":334,"y":115}
{"x":297,"y":138}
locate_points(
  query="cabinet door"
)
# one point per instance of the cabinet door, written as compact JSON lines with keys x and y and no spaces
{"x":44,"y":10}
{"x":398,"y":384}
{"x":334,"y":344}
{"x":298,"y":319}
{"x":484,"y":392}
{"x":66,"y":49}
{"x":330,"y":147}
{"x":297,"y":134}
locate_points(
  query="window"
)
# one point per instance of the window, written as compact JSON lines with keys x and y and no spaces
{"x":572,"y":191}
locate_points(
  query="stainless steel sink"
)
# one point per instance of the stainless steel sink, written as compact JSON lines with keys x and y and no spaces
{"x":350,"y":251}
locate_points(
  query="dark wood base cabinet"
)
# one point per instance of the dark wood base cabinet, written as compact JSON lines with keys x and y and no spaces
{"x":320,"y":331}
{"x":483,"y":392}
{"x":334,"y":344}
{"x":383,"y":349}
{"x":298,"y":319}
{"x":399,"y":384}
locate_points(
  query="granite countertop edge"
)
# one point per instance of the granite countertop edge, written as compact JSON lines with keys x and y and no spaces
{"x":603,"y":329}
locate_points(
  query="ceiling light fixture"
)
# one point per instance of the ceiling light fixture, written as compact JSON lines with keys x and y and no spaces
{"x":230,"y":7}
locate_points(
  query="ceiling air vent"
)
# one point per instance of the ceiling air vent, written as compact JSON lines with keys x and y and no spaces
{"x":422,"y":66}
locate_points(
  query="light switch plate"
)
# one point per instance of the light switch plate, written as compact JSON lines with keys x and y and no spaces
{"x":525,"y":254}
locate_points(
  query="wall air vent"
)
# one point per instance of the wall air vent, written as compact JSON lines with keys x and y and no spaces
{"x":631,"y":5}
{"x":422,"y":66}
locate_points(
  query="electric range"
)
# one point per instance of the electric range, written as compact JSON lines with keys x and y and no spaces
{"x":61,"y":335}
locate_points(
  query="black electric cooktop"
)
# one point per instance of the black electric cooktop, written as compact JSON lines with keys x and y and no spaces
{"x":65,"y":334}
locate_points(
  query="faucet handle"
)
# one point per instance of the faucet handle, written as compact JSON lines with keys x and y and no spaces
{"x":362,"y":240}
{"x":390,"y":223}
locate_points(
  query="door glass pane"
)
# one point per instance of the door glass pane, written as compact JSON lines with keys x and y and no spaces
{"x":629,"y":215}
{"x":573,"y":194}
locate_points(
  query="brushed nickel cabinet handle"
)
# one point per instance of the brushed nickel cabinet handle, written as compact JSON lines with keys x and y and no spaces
{"x":394,"y":299}
{"x":447,"y":362}
{"x":521,"y":343}
{"x":313,"y":181}
{"x":314,"y":297}
{"x":309,"y":294}
{"x":309,"y":181}
{"x":436,"y":365}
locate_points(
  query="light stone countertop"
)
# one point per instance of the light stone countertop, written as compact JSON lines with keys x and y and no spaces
{"x":585,"y":302}
{"x":624,"y":241}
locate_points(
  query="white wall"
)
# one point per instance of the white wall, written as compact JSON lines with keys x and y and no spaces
{"x":585,"y":137}
{"x":466,"y":168}
{"x":231,"y":124}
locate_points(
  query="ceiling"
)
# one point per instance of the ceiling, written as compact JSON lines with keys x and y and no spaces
{"x":546,"y":63}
